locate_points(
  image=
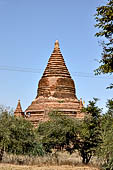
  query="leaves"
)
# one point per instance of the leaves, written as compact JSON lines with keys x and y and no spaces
{"x":17,"y":136}
{"x":104,"y":20}
{"x":90,"y":132}
{"x":63,"y":132}
{"x":57,"y":132}
{"x":105,"y":151}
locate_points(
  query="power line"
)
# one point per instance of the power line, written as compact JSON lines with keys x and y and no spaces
{"x":31,"y":70}
{"x":89,"y":75}
{"x":20,"y":69}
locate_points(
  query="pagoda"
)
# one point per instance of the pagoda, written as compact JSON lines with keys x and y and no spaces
{"x":56,"y":91}
{"x":18,"y":111}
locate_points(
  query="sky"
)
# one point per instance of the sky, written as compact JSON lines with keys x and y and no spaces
{"x":28,"y":30}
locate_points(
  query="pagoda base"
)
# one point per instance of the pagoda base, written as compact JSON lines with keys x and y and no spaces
{"x":40,"y":108}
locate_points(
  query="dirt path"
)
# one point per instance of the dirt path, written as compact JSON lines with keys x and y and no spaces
{"x":18,"y":167}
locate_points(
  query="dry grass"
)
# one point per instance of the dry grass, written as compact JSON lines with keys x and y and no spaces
{"x":59,"y":161}
{"x":54,"y":159}
{"x":63,"y":167}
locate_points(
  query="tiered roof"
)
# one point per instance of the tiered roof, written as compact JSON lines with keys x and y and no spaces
{"x":56,"y":65}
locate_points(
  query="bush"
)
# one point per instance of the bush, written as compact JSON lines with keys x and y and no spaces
{"x":17,"y":136}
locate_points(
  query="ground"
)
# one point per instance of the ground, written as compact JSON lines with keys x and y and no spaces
{"x":18,"y":167}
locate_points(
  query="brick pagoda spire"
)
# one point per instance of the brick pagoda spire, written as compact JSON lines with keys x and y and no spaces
{"x":56,"y":91}
{"x":18,"y":112}
{"x":56,"y":65}
{"x":56,"y":80}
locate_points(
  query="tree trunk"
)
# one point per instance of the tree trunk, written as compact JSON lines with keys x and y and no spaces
{"x":86,"y":157}
{"x":1,"y":154}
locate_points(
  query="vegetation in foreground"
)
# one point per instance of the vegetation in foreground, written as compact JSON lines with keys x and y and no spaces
{"x":91,"y":137}
{"x":63,"y":132}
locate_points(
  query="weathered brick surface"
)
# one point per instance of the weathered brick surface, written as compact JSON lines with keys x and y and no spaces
{"x":58,"y":87}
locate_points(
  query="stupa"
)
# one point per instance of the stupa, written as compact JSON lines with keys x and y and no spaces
{"x":56,"y":91}
{"x":18,"y":112}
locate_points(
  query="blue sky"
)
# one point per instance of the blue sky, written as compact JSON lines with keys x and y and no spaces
{"x":28,"y":30}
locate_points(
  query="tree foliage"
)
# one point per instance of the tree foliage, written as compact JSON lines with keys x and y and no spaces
{"x":21,"y":136}
{"x":90,"y":136}
{"x":64,"y":132}
{"x":5,"y":120}
{"x":104,"y":20}
{"x":89,"y":132}
{"x":106,"y":148}
{"x":17,"y":136}
{"x":58,"y":133}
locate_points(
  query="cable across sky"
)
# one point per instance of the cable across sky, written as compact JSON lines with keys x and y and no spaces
{"x":39,"y":71}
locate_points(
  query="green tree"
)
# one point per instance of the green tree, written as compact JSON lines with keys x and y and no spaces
{"x":106,"y":149}
{"x":64,"y":132}
{"x":104,"y":20}
{"x":89,"y":132}
{"x":58,"y":133}
{"x":4,"y":130}
{"x":21,"y":136}
{"x":17,"y":136}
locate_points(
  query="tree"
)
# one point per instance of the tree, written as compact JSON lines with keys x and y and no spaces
{"x":21,"y":136}
{"x":58,"y":133}
{"x":104,"y":19}
{"x":89,"y":132}
{"x":106,"y":148}
{"x":17,"y":136}
{"x":4,"y":130}
{"x":64,"y":132}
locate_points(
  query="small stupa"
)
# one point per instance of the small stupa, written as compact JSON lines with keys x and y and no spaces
{"x":18,"y":112}
{"x":56,"y":91}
